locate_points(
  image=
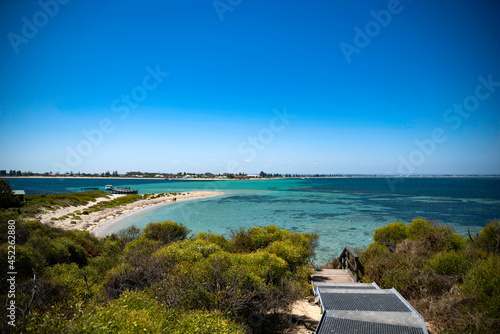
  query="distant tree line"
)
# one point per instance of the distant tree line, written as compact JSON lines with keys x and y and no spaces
{"x":12,"y":172}
{"x":206,"y":175}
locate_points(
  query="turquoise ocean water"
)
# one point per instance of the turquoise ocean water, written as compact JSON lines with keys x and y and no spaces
{"x":342,"y":211}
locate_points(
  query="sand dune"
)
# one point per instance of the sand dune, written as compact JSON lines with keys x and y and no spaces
{"x":94,"y":220}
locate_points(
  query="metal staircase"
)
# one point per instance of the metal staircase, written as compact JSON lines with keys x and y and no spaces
{"x":363,"y":308}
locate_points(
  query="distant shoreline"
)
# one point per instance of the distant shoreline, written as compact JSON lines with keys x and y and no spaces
{"x":250,"y":179}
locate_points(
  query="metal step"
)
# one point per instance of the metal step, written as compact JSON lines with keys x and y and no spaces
{"x":336,"y":325}
{"x":362,"y":286}
{"x":366,"y":309}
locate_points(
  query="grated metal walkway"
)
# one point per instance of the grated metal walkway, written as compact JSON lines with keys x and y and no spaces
{"x":364,"y":308}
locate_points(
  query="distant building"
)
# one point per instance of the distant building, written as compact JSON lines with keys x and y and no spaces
{"x":20,"y":194}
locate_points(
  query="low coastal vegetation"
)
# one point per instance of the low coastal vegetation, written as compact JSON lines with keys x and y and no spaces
{"x":454,"y":282}
{"x":34,"y":205}
{"x":157,"y":280}
{"x":123,"y":200}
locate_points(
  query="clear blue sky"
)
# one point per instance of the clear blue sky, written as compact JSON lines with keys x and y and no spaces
{"x":290,"y":86}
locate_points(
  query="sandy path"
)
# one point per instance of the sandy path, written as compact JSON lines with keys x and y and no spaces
{"x":307,"y":315}
{"x":96,"y":219}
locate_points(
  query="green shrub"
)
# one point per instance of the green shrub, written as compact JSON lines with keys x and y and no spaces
{"x":139,"y":251}
{"x":53,"y":251}
{"x":128,"y":234}
{"x":265,"y":265}
{"x":247,"y":241}
{"x":404,"y":273}
{"x":482,"y":285}
{"x":130,"y":278}
{"x":427,"y":267}
{"x":139,"y":312}
{"x":76,"y":252}
{"x":70,"y":277}
{"x":202,"y":322}
{"x":83,"y":238}
{"x":38,"y":229}
{"x":100,"y":266}
{"x":418,"y":228}
{"x":455,"y":242}
{"x":373,"y":251}
{"x":110,"y":248}
{"x":391,"y":235}
{"x":7,"y":197}
{"x":489,"y":238}
{"x":32,"y":225}
{"x":295,"y":255}
{"x":216,"y":239}
{"x":175,"y":289}
{"x":203,"y":247}
{"x":398,"y":276}
{"x":450,"y":263}
{"x":173,"y":254}
{"x":133,"y":312}
{"x":220,"y":283}
{"x":166,"y":232}
{"x":431,"y":238}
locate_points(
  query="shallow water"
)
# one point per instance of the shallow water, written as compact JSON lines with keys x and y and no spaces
{"x":342,"y":211}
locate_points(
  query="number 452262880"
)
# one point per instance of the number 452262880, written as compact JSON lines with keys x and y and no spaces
{"x":11,"y":239}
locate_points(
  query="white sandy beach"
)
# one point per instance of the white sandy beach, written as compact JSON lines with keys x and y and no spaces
{"x":95,"y":220}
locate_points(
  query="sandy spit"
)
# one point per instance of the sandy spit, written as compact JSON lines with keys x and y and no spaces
{"x":94,"y":220}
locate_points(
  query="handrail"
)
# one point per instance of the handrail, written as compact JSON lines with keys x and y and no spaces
{"x":350,"y":260}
